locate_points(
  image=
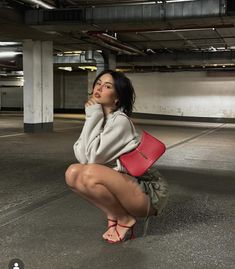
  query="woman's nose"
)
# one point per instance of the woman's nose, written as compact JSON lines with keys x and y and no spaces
{"x":100,"y":87}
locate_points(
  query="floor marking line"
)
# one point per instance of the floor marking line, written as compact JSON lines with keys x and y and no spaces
{"x":9,"y":135}
{"x":206,"y":132}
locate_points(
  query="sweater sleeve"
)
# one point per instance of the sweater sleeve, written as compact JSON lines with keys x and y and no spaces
{"x":108,"y":144}
{"x":103,"y":145}
{"x":92,"y":125}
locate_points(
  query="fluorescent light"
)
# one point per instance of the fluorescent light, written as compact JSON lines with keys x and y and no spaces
{"x":73,"y":52}
{"x":175,"y":1}
{"x":9,"y":54}
{"x":42,"y":4}
{"x":91,"y":68}
{"x":66,"y":68}
{"x":9,"y":43}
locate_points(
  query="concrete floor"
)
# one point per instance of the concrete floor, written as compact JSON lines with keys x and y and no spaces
{"x":47,"y":226}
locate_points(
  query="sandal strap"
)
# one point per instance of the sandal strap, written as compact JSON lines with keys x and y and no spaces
{"x":112,"y":225}
{"x":112,"y":220}
{"x":125,"y":226}
{"x":119,"y":237}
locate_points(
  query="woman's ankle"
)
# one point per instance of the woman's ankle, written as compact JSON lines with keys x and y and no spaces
{"x":126,"y":220}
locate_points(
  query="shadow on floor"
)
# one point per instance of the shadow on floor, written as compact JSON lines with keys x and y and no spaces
{"x":196,"y":197}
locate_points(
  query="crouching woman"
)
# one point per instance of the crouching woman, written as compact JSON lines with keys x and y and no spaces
{"x":98,"y":176}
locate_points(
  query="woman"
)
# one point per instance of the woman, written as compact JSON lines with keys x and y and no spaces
{"x":99,"y":176}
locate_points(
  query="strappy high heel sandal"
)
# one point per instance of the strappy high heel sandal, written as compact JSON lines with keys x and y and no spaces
{"x":112,"y":225}
{"x":125,"y":237}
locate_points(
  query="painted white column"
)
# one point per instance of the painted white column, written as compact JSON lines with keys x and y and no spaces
{"x":38,"y":86}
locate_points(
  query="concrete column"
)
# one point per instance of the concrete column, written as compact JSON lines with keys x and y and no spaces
{"x":38,"y":86}
{"x":112,"y":61}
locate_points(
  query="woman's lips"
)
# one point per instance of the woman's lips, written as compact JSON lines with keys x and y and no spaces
{"x":97,"y":95}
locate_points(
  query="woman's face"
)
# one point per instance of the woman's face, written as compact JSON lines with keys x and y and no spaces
{"x":104,"y":91}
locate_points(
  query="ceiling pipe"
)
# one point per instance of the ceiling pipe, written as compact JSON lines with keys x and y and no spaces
{"x":100,"y":43}
{"x":158,"y":30}
{"x":107,"y":46}
{"x":115,"y":43}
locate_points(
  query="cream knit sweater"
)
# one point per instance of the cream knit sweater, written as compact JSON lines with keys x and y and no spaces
{"x":103,"y":142}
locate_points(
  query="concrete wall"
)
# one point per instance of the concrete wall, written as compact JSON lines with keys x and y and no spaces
{"x":70,"y":89}
{"x":11,"y":92}
{"x":196,"y":94}
{"x":11,"y":97}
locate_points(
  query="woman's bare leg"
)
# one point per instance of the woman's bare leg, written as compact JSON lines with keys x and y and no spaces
{"x":115,"y":193}
{"x":73,"y":179}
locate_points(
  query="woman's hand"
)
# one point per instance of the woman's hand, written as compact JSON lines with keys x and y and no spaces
{"x":90,"y":102}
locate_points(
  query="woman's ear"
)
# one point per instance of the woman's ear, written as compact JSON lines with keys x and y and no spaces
{"x":116,"y":102}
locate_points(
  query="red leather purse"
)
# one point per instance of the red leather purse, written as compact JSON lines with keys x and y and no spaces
{"x":139,"y":160}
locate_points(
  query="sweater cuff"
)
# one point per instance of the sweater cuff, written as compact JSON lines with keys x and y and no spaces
{"x":93,"y":109}
{"x":120,"y":168}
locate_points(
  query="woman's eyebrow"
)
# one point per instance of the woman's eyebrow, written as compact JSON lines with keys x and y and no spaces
{"x":107,"y":82}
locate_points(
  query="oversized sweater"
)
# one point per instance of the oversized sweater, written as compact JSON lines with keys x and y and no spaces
{"x":102,"y":140}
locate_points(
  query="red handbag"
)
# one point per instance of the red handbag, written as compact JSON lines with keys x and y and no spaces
{"x":139,"y":160}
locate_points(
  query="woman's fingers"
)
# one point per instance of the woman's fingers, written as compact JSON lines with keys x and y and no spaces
{"x":90,"y":102}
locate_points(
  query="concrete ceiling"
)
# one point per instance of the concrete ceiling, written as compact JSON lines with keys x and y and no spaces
{"x":140,"y":33}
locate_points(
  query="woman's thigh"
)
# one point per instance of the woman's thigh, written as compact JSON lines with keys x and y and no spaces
{"x":122,"y":186}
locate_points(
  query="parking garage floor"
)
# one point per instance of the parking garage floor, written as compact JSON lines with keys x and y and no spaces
{"x":47,"y":226}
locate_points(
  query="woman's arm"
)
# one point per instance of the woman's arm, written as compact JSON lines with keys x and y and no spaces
{"x":106,"y":145}
{"x":92,"y":126}
{"x":102,"y":145}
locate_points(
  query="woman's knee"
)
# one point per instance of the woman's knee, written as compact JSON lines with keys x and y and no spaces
{"x":72,"y":174}
{"x":88,"y":176}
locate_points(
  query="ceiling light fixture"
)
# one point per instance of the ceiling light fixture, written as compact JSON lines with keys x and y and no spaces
{"x":9,"y":43}
{"x":91,"y":68}
{"x":66,"y":68}
{"x":4,"y":54}
{"x":174,"y":1}
{"x":42,"y":4}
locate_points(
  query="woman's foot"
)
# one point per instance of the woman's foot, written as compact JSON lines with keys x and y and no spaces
{"x":120,"y":232}
{"x":112,"y":223}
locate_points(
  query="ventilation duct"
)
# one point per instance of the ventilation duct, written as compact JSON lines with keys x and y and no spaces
{"x":129,"y":13}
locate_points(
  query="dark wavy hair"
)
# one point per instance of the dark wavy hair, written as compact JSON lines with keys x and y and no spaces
{"x":124,"y":90}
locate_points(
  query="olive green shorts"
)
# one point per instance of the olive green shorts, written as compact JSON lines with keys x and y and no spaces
{"x":155,"y":185}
